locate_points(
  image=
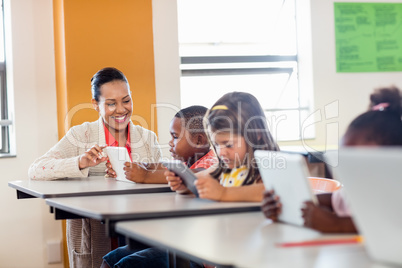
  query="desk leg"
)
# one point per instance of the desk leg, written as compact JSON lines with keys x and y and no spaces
{"x":177,"y":262}
{"x":22,"y":195}
{"x":109,"y":225}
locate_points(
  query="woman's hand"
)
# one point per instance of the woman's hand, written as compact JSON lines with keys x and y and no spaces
{"x":209,"y":188}
{"x":94,"y":156}
{"x":271,"y":206}
{"x":175,"y":182}
{"x":110,"y":171}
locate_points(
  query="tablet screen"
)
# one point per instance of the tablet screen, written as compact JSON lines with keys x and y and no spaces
{"x":184,"y":173}
{"x":287,"y":174}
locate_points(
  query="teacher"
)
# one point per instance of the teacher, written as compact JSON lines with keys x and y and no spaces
{"x":79,"y":154}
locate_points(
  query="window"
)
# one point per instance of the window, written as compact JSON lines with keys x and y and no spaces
{"x":244,"y":45}
{"x":5,"y":123}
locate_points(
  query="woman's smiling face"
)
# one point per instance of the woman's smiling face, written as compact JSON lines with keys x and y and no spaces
{"x":115,"y":105}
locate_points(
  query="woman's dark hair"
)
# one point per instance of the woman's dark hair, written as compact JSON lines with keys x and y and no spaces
{"x":382,"y":124}
{"x":240,"y":113}
{"x":104,"y":76}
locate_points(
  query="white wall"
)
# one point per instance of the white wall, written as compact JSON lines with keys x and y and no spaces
{"x":26,"y":225}
{"x":351,"y":90}
{"x":344,"y":93}
{"x":167,"y":72}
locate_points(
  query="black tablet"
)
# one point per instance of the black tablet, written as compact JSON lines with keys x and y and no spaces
{"x":184,"y":173}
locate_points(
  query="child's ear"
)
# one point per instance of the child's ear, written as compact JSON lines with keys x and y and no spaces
{"x":197,"y":140}
{"x":202,"y":140}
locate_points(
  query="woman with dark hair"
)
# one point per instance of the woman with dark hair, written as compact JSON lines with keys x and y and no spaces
{"x":79,"y":154}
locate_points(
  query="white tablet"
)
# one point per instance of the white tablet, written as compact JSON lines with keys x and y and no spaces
{"x":184,"y":173}
{"x":117,"y":157}
{"x":372,"y":178}
{"x":287,"y":174}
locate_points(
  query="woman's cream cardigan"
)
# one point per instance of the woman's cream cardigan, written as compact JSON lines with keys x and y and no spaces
{"x":87,"y":241}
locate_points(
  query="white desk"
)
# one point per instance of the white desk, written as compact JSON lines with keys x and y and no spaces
{"x":242,"y":240}
{"x":113,"y":208}
{"x":91,"y":186}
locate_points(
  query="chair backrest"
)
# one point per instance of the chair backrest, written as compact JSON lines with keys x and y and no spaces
{"x":323,"y":185}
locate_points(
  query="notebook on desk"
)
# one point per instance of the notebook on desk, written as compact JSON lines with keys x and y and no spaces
{"x":287,"y":174}
{"x":372,"y":179}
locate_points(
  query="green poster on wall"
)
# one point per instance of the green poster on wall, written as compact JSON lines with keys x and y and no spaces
{"x":368,"y":37}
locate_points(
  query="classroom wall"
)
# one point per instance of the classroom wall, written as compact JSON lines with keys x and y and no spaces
{"x":27,"y":225}
{"x":167,"y":71}
{"x":338,"y":97}
{"x":348,"y":91}
{"x":94,"y":34}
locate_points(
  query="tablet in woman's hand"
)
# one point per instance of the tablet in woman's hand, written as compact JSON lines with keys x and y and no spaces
{"x":184,"y":173}
{"x":117,"y":157}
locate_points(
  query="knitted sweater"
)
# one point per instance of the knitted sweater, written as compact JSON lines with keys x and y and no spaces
{"x":87,"y":241}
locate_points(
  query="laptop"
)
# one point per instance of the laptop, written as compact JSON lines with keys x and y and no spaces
{"x":372,"y":179}
{"x":287,"y":174}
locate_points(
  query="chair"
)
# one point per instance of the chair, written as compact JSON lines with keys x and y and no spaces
{"x":323,"y":185}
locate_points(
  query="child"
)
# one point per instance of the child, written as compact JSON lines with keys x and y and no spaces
{"x":236,"y":126}
{"x":380,"y":126}
{"x":189,"y":144}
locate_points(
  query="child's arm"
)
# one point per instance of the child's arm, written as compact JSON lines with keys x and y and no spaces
{"x":325,"y":200}
{"x":144,"y":172}
{"x":210,"y":188}
{"x":324,"y":220}
{"x":247,"y":193}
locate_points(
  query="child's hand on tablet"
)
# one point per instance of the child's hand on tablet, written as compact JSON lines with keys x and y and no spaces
{"x":135,"y":171}
{"x":175,"y":182}
{"x":92,"y":157}
{"x":271,"y":205}
{"x":209,"y":188}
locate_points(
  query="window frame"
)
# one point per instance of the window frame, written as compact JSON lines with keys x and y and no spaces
{"x":192,"y":66}
{"x":5,"y":122}
{"x":200,"y":60}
